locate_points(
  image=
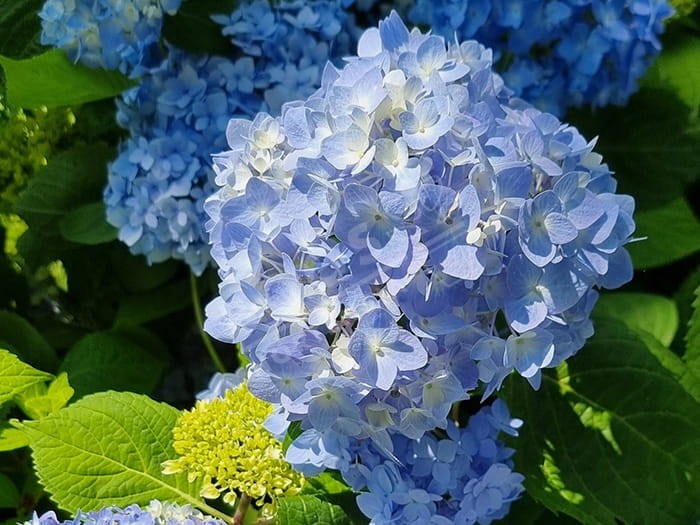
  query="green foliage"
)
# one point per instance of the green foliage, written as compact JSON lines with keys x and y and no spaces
{"x":612,"y":436}
{"x":111,"y":361}
{"x":19,"y":28}
{"x":16,"y":376}
{"x":310,"y":510}
{"x":40,"y":401}
{"x":142,"y":308}
{"x":11,"y":438}
{"x":9,"y":495}
{"x":107,"y":449}
{"x":692,"y":353}
{"x":51,"y":80}
{"x":87,"y":225}
{"x":25,"y":341}
{"x":652,"y":313}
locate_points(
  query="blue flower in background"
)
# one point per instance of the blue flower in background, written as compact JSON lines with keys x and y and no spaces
{"x":106,"y":34}
{"x":557,"y":54}
{"x":177,"y":119}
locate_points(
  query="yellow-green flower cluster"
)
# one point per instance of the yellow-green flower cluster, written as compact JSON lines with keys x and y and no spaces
{"x":223,"y":441}
{"x":26,"y":140}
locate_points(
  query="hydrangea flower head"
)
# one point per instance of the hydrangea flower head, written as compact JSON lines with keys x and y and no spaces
{"x":155,"y":513}
{"x":406,"y":233}
{"x":222,"y":441}
{"x":558,"y":53}
{"x":177,"y":118}
{"x":106,"y":34}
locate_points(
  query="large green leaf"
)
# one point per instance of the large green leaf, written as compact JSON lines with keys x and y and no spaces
{"x":612,"y":436}
{"x":16,"y":376}
{"x":310,"y":510}
{"x":51,"y":80}
{"x":652,"y":313}
{"x":72,"y":178}
{"x":110,"y":361}
{"x":19,"y":27}
{"x":88,"y":225}
{"x":677,"y":68}
{"x":672,"y":232}
{"x":142,"y":308}
{"x":107,"y":449}
{"x":24,"y":340}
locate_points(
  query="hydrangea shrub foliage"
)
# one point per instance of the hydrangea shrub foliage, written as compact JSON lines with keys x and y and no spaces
{"x":299,"y":262}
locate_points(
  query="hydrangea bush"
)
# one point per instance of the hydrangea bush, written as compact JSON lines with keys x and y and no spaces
{"x":414,"y":263}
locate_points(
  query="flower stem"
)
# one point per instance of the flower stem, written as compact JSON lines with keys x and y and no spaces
{"x":200,"y":324}
{"x":242,"y":508}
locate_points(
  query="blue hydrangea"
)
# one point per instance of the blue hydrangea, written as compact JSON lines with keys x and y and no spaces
{"x":156,"y":513}
{"x":177,"y":119}
{"x":123,"y":35}
{"x":558,"y":53}
{"x":407,"y":234}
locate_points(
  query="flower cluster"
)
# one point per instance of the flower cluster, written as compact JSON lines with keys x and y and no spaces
{"x":407,"y":231}
{"x":222,"y":441}
{"x":27,"y":138}
{"x":156,"y":187}
{"x":463,"y":477}
{"x":106,"y":34}
{"x":156,"y":513}
{"x":556,"y":54}
{"x":177,"y":117}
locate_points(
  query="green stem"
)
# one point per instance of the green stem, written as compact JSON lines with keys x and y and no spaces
{"x":211,"y":511}
{"x":200,"y":324}
{"x":243,"y":504}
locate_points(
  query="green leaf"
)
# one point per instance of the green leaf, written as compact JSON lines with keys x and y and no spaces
{"x":16,"y":376}
{"x":136,"y":274}
{"x":19,"y":27}
{"x":677,"y":68}
{"x":651,"y":313}
{"x":110,"y":361}
{"x":672,"y":232}
{"x":12,"y":438}
{"x":107,"y":449}
{"x":309,"y":510}
{"x":611,"y":436}
{"x":193,"y":29}
{"x":9,"y":495}
{"x":142,"y":308}
{"x":87,"y":225}
{"x":692,"y":338}
{"x":72,"y":178}
{"x":40,"y":401}
{"x":51,"y":80}
{"x":23,"y":339}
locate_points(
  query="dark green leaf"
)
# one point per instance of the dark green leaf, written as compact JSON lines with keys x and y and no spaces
{"x":110,"y":361}
{"x":309,"y":510}
{"x":51,"y":80}
{"x":672,"y":232}
{"x":613,"y":436}
{"x":677,"y":68}
{"x":192,"y":28}
{"x":87,"y":225}
{"x":136,"y":274}
{"x":692,"y":338}
{"x":142,"y":308}
{"x":293,"y":432}
{"x":72,"y":178}
{"x":9,"y":495}
{"x":23,"y":339}
{"x":651,"y":313}
{"x":19,"y":28}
